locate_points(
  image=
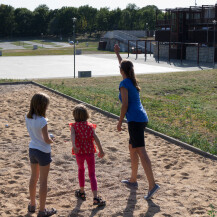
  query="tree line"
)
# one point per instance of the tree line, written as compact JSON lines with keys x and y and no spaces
{"x":59,"y":22}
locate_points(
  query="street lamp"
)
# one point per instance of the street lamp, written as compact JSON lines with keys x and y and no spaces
{"x":214,"y":23}
{"x":146,"y":25}
{"x":74,"y":21}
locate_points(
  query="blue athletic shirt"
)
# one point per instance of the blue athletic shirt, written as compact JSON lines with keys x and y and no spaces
{"x":135,"y":111}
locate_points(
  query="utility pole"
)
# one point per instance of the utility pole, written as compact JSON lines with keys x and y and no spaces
{"x":74,"y":20}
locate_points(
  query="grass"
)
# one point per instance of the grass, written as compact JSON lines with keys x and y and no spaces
{"x":20,"y":43}
{"x":182,"y":105}
{"x":92,"y":48}
{"x":57,"y":49}
{"x":43,"y":42}
{"x":212,"y":211}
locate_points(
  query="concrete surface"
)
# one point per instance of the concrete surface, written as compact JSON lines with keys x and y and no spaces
{"x":32,"y":67}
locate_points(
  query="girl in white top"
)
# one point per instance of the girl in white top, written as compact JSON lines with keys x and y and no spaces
{"x":39,"y":152}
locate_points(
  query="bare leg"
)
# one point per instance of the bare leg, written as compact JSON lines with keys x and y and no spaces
{"x":44,"y":170}
{"x":134,"y":163}
{"x":33,"y":182}
{"x":146,"y":163}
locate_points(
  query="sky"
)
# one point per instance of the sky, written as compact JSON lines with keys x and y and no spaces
{"x":112,"y":4}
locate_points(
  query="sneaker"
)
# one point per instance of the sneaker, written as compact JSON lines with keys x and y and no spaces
{"x":130,"y":184}
{"x":152,"y":192}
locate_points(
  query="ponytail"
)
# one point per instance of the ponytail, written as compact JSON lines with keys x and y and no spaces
{"x":127,"y":67}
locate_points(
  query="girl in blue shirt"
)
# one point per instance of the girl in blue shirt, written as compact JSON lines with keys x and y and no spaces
{"x":137,"y":120}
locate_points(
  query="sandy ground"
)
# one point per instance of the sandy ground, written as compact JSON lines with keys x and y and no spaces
{"x":188,"y":181}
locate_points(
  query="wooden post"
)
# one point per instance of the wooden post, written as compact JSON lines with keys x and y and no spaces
{"x":181,"y":52}
{"x":150,"y":47}
{"x":136,"y":49}
{"x":158,"y":53}
{"x":128,"y":48}
{"x":145,"y":50}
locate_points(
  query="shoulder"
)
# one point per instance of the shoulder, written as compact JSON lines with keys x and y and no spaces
{"x":125,"y":83}
{"x":42,"y":121}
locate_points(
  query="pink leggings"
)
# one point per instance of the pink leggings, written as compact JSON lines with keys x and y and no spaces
{"x":90,"y":158}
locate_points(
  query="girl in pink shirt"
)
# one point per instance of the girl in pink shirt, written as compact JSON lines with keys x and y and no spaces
{"x":83,"y":137}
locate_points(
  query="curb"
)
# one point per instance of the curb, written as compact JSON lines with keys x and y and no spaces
{"x":163,"y":136}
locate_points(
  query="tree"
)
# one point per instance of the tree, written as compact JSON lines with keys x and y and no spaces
{"x":102,"y":19}
{"x":88,"y":18}
{"x":65,"y":16}
{"x":115,"y":19}
{"x":40,"y":20}
{"x":23,"y":19}
{"x":7,"y":26}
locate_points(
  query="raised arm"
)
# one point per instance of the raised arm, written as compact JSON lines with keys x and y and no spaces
{"x":117,"y":50}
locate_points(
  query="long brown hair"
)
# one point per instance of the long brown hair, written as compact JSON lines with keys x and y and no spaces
{"x":38,"y":105}
{"x":80,"y":113}
{"x":127,"y":67}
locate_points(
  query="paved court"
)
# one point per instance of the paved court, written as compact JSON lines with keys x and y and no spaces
{"x":32,"y":67}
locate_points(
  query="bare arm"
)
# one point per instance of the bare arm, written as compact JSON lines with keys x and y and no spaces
{"x":124,"y":106}
{"x":98,"y":143}
{"x":75,"y":149}
{"x":117,"y":50}
{"x":47,"y":138}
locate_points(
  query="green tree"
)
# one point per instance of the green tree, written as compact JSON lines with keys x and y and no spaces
{"x":88,"y":18}
{"x":102,"y":19}
{"x":41,"y":20}
{"x":65,"y":21}
{"x":114,"y":19}
{"x":7,"y":26}
{"x":23,"y":19}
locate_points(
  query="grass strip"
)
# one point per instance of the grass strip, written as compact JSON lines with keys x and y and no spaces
{"x":181,"y":105}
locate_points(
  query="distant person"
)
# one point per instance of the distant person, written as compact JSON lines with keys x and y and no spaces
{"x":137,"y":121}
{"x":83,"y":136}
{"x":39,"y":152}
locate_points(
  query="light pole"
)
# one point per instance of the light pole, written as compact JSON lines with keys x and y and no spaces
{"x":214,"y":23}
{"x":74,"y":21}
{"x":146,"y":29}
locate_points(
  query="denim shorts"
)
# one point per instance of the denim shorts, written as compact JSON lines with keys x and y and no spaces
{"x":39,"y":157}
{"x":136,"y":132}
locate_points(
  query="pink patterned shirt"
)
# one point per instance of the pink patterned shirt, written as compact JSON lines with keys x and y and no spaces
{"x":84,"y":137}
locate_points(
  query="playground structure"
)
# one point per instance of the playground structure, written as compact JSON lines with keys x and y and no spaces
{"x":184,"y":28}
{"x":183,"y":33}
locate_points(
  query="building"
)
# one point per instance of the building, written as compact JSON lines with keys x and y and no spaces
{"x":187,"y":33}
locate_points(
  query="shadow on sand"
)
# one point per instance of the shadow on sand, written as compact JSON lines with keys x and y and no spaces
{"x":76,"y":210}
{"x":131,"y":204}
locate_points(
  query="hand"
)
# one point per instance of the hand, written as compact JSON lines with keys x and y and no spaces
{"x":75,"y":149}
{"x":116,"y":48}
{"x":119,"y":126}
{"x":101,"y":154}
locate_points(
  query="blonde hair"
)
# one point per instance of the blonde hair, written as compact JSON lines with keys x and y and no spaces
{"x":127,"y":67}
{"x":80,"y":113}
{"x":38,"y":105}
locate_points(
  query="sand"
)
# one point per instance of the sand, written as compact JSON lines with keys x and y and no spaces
{"x":188,"y":181}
